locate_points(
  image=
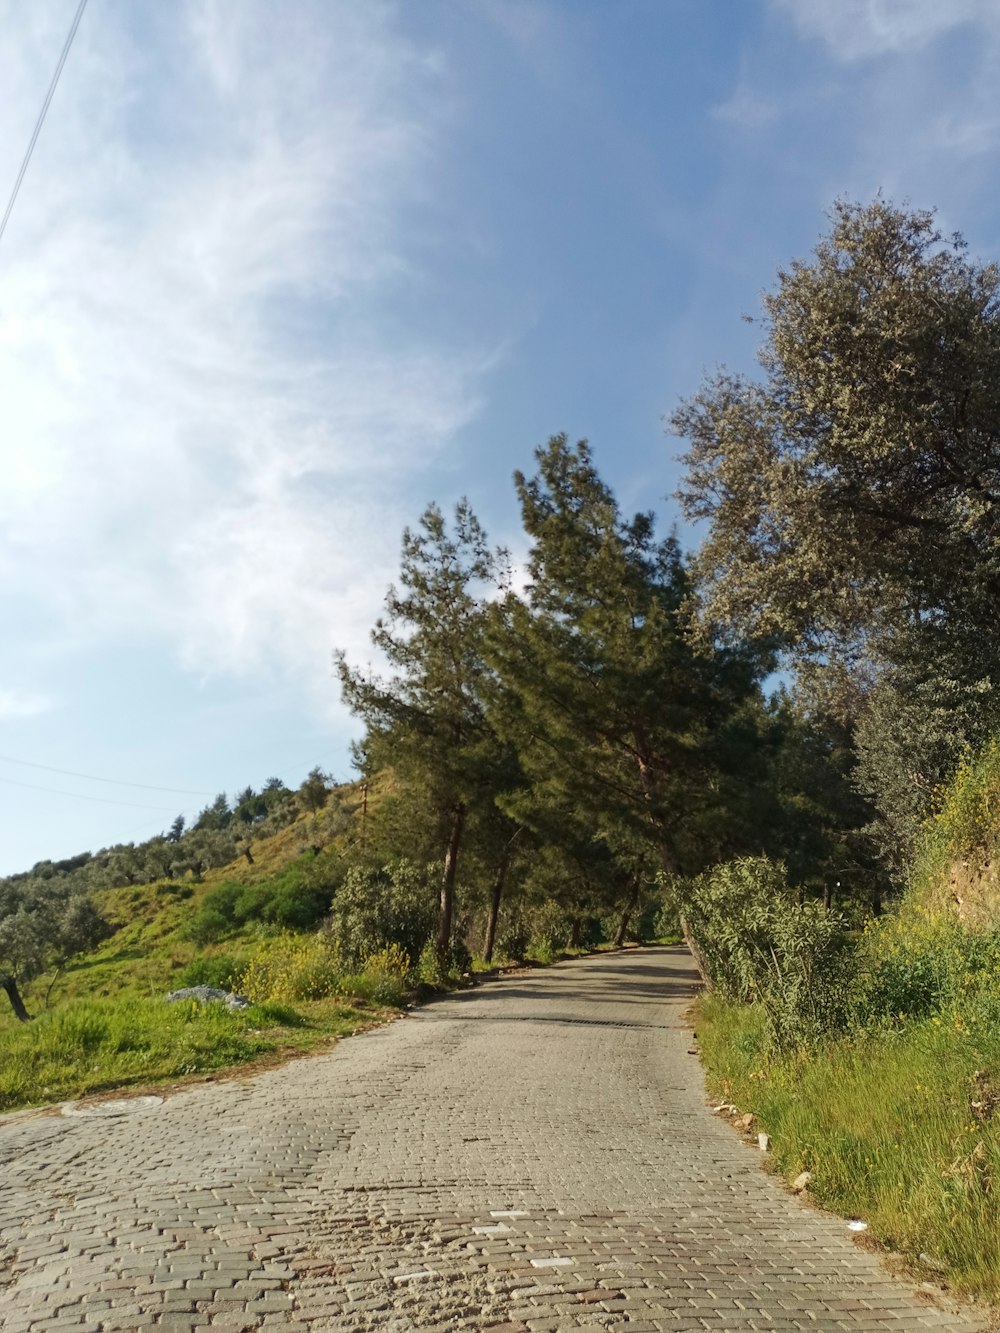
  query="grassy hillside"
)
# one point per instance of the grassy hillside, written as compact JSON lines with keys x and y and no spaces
{"x":101,"y":1022}
{"x":895,"y":1110}
{"x":957,"y":872}
{"x":319,"y":938}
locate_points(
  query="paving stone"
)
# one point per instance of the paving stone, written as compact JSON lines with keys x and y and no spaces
{"x":545,"y":1117}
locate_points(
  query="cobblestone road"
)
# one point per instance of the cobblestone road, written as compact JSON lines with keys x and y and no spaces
{"x":532,"y":1155}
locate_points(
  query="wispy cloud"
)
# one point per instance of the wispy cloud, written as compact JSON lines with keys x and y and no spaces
{"x":22,"y":703}
{"x":210,"y":425}
{"x":858,"y":29}
{"x":746,"y":109}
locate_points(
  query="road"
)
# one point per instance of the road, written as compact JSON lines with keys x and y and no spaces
{"x":534,"y":1154}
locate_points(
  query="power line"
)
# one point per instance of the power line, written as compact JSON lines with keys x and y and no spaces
{"x":41,"y":117}
{"x":114,"y":782}
{"x":10,"y":782}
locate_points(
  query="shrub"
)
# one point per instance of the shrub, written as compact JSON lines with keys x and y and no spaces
{"x":171,"y":889}
{"x":513,"y":936}
{"x":302,"y":894}
{"x":918,"y":963}
{"x":665,"y":906}
{"x":221,"y":970}
{"x":375,"y":909}
{"x":298,"y":899}
{"x":550,"y":930}
{"x":384,"y":978}
{"x":760,"y":945}
{"x":208,"y":926}
{"x":291,"y":967}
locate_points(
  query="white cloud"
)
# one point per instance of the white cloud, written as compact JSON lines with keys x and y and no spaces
{"x":210,"y":429}
{"x":859,"y":29}
{"x":746,"y":109}
{"x":22,"y":703}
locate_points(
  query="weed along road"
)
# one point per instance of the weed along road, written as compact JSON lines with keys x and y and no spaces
{"x":535,"y":1154}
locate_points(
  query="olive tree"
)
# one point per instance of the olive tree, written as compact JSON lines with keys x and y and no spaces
{"x":43,"y":923}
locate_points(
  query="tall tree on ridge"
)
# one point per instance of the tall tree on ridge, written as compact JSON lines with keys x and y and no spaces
{"x":853,"y":490}
{"x":426,"y":719}
{"x":622,"y":728}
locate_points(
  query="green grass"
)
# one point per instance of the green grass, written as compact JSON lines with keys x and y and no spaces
{"x":885,"y":1122}
{"x":89,"y":1046}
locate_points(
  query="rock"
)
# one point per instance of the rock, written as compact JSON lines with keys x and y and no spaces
{"x":855,"y":1224}
{"x":763,"y":1142}
{"x":801,"y":1181}
{"x":209,"y":995}
{"x":747,"y":1120}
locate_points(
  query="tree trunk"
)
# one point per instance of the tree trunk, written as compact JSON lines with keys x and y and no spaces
{"x":248,"y":855}
{"x":671,"y":869}
{"x":14,"y":995}
{"x":696,"y":953}
{"x":630,"y":906}
{"x":576,"y":932}
{"x":446,"y":908}
{"x":876,"y":901}
{"x":827,"y":897}
{"x":55,"y":977}
{"x":495,"y":896}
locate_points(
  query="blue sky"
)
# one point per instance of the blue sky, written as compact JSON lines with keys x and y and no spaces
{"x":279,"y":275}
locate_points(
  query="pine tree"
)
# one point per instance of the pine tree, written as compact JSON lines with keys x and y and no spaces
{"x":625,"y":732}
{"x":425,"y":720}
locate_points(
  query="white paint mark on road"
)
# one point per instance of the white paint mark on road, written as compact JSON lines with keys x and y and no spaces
{"x":119,"y":1106}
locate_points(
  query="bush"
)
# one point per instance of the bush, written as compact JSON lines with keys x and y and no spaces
{"x":208,"y":926}
{"x":221,"y":970}
{"x":434,"y":971}
{"x":919,"y":963}
{"x":760,"y":946}
{"x":376,"y":909}
{"x":384,"y":979}
{"x":550,"y":930}
{"x":291,"y":967}
{"x":666,"y":923}
{"x":171,"y":889}
{"x":298,"y":899}
{"x":513,"y":936}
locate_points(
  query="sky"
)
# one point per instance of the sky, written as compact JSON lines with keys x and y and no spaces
{"x":279,"y":276}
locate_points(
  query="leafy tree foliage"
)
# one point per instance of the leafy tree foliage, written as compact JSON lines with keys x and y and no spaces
{"x":759,"y":944}
{"x":623,"y":730}
{"x":379,"y":907}
{"x":854,"y":492}
{"x":314,"y":790}
{"x":43,"y":923}
{"x":426,"y":720}
{"x":919,"y":723}
{"x":216,"y":816}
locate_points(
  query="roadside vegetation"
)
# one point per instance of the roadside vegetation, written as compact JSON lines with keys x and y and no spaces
{"x":852,"y":496}
{"x":784,"y":746}
{"x":871,"y":1058}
